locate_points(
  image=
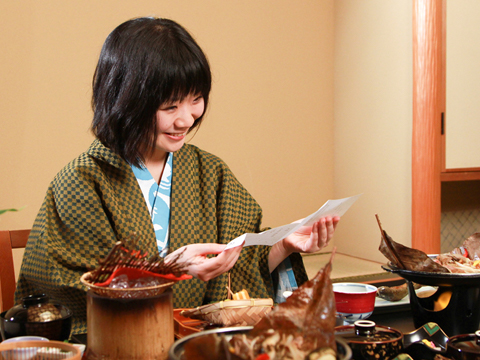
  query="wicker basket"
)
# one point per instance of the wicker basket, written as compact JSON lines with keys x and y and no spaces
{"x":39,"y":350}
{"x":232,"y":312}
{"x":130,"y":293}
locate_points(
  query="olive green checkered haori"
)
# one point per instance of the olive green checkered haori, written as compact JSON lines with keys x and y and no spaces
{"x":96,"y":200}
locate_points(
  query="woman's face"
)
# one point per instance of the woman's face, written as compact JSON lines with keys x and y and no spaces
{"x":174,"y":120}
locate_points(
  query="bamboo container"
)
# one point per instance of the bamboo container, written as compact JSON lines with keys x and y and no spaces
{"x":134,"y":329}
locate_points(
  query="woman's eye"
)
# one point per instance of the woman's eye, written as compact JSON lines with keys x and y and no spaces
{"x":198,"y":98}
{"x":168,"y":107}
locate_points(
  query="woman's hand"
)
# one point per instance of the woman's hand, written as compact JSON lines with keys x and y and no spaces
{"x":202,"y":267}
{"x":307,"y":239}
{"x":313,"y":238}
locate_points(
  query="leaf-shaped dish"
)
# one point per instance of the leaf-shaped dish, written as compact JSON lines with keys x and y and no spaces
{"x":415,"y":342}
{"x":403,"y":356}
{"x":431,"y":332}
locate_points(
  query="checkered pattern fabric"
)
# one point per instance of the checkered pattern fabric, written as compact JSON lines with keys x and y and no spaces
{"x":95,"y":201}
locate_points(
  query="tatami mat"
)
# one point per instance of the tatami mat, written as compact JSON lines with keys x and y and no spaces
{"x":344,"y":267}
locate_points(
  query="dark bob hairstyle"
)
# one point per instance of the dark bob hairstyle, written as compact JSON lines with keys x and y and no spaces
{"x":144,"y":63}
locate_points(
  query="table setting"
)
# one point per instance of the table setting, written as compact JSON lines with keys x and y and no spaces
{"x":432,"y":314}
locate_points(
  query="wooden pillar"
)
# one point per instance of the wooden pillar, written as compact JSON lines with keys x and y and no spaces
{"x":428,"y":106}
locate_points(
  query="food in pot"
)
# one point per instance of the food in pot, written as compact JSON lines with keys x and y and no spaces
{"x":458,"y":264}
{"x":470,"y":247}
{"x":464,"y":259}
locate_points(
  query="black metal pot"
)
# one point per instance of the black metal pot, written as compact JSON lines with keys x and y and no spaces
{"x":462,"y":313}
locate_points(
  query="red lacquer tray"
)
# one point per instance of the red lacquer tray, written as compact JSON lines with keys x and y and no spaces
{"x":184,"y":326}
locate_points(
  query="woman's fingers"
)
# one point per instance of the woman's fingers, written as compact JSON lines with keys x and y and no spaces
{"x":327,"y":229}
{"x":205,"y":268}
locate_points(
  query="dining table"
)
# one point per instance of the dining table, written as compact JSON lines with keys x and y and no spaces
{"x":395,"y":316}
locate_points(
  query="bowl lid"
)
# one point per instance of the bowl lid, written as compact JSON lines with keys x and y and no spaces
{"x":366,"y":331}
{"x":464,"y":344}
{"x":37,"y":308}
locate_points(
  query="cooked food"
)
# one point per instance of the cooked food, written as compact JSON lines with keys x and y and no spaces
{"x":241,"y":295}
{"x":458,"y":264}
{"x":395,"y":293}
{"x":470,"y":248}
{"x":464,"y":259}
{"x":237,"y":310}
{"x":303,"y":327}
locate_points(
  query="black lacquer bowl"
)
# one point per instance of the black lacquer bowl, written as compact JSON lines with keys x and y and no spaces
{"x":37,"y":316}
{"x":369,"y":341}
{"x":464,"y":347}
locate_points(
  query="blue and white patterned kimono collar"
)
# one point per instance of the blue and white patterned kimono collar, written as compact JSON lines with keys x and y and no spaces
{"x":157,"y":197}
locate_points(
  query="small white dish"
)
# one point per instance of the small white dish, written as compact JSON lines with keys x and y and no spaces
{"x":80,"y":347}
{"x":25,"y":338}
{"x":424,"y":291}
{"x":22,"y":353}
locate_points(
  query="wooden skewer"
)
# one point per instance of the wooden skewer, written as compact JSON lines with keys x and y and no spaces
{"x":230,"y":293}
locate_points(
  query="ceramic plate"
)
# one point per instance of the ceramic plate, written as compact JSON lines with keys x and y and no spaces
{"x":424,"y":291}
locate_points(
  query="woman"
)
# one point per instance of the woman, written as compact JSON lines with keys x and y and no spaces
{"x":150,"y":89}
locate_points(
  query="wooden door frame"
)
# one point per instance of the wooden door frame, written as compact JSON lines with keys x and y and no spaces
{"x":428,"y":142}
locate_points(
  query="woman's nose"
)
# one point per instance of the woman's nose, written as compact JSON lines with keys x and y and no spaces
{"x":186,"y":116}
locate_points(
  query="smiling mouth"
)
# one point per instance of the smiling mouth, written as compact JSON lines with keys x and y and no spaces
{"x":176,"y":135}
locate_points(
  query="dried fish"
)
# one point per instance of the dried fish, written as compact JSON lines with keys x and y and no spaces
{"x":126,"y":254}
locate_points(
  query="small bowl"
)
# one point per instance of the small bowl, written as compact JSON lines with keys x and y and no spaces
{"x":22,"y":354}
{"x":464,"y":347}
{"x":354,"y":301}
{"x":37,"y":316}
{"x":369,"y":341}
{"x":25,"y":338}
{"x":33,"y":350}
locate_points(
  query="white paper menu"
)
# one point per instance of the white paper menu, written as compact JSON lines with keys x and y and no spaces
{"x":270,"y":237}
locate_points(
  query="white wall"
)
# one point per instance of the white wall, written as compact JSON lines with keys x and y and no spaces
{"x":463,"y":84}
{"x":373,"y":121}
{"x":271,"y":113}
{"x":312,"y":100}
